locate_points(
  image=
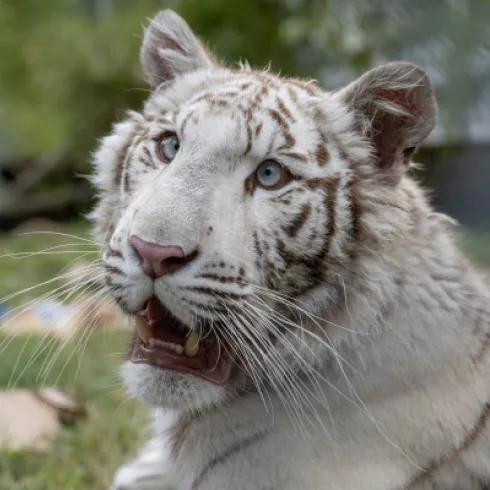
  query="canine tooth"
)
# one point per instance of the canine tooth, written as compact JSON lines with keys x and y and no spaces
{"x":144,"y":330}
{"x":179,"y":349}
{"x":191,"y":347}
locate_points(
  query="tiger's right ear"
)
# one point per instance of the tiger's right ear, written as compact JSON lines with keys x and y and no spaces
{"x":170,"y":48}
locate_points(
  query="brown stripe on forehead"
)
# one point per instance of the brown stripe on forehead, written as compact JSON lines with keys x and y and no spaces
{"x":295,"y":156}
{"x":223,"y":99}
{"x":279,"y":119}
{"x":284,"y":110}
{"x":290,"y":141}
{"x":302,"y":217}
{"x":259,"y":96}
{"x":249,"y":140}
{"x":248,"y":125}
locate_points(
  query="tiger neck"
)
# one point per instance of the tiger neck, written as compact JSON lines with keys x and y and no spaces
{"x":414,"y":313}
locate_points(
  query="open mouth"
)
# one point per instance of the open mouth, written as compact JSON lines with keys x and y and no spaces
{"x":165,"y":342}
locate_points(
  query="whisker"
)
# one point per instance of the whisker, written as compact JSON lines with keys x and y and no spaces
{"x":57,"y":233}
{"x":292,"y":303}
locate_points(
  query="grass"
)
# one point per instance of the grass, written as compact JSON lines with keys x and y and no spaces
{"x":85,"y":456}
{"x":20,"y":271}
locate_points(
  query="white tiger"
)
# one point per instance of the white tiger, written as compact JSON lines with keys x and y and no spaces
{"x":305,"y":320}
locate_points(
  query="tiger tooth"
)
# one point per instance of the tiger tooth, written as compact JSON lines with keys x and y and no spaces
{"x":191,"y":347}
{"x":143,"y":329}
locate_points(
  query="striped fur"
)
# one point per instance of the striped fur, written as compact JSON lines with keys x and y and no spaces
{"x":362,"y":333}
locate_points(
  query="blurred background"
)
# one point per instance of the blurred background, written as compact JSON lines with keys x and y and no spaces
{"x":69,"y":68}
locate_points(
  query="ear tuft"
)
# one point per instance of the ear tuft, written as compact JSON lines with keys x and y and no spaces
{"x":170,"y":48}
{"x":396,"y":106}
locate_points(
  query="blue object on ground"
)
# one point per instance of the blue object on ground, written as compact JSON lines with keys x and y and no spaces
{"x":3,"y":309}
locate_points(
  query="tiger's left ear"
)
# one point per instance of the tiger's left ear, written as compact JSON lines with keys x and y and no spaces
{"x":396,"y":107}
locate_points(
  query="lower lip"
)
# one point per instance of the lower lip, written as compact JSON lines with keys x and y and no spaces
{"x":218,"y":373}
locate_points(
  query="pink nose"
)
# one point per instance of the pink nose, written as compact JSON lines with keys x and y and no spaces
{"x":160,"y":260}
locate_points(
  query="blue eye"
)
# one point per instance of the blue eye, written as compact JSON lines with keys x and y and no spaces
{"x":269,"y":173}
{"x":168,"y":147}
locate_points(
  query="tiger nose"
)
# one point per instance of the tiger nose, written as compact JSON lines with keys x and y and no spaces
{"x":160,"y":260}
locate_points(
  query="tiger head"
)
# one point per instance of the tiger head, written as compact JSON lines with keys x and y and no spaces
{"x":237,"y":207}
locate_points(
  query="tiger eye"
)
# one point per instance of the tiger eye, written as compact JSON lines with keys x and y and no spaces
{"x":167,"y":147}
{"x":272,"y":175}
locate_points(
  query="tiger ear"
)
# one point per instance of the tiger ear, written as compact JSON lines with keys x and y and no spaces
{"x":170,"y":48}
{"x":396,"y":107}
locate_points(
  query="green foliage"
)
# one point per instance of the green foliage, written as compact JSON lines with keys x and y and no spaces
{"x":67,"y":75}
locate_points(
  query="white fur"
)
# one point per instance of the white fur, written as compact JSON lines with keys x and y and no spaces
{"x":381,"y":382}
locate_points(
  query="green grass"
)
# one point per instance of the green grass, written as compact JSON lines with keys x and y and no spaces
{"x":42,"y":257}
{"x":85,"y":456}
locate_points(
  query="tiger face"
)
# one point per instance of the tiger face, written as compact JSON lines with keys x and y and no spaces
{"x":235,"y":196}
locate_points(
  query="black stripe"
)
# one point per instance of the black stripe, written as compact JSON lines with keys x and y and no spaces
{"x":432,"y":466}
{"x":221,"y":458}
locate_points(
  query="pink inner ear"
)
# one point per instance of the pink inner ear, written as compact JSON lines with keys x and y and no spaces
{"x":169,"y":43}
{"x":407,"y":99}
{"x":390,"y":130}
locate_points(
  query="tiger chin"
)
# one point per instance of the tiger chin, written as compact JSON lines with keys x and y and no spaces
{"x":302,"y":317}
